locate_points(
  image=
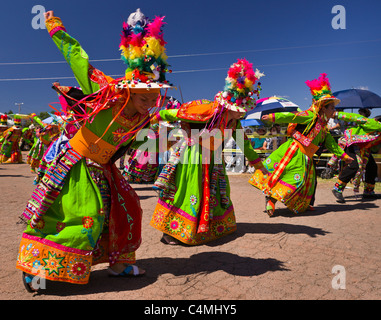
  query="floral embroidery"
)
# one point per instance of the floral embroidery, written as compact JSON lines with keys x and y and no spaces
{"x":159,"y":216}
{"x":93,"y":148}
{"x":60,"y":226}
{"x":193,"y":199}
{"x":113,"y":257}
{"x":107,"y":154}
{"x":36,"y":264}
{"x":53,"y":264}
{"x":78,"y":268}
{"x":175,"y":225}
{"x":297,"y":177}
{"x":118,"y":134}
{"x":87,"y":222}
{"x":219,"y":228}
{"x":40,"y":224}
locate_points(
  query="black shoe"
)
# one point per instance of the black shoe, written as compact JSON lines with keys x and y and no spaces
{"x":339,"y":196}
{"x":369,"y":196}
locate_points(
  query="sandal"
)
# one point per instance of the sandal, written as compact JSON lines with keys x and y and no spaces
{"x":130,"y":271}
{"x":27,"y":280}
{"x":167,"y":239}
{"x":270,"y":207}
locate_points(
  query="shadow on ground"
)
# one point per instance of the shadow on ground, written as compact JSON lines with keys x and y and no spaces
{"x":200,"y":263}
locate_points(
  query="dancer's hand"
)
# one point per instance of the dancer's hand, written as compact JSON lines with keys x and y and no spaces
{"x":49,"y":14}
{"x":265,"y":172}
{"x":265,"y":118}
{"x":348,"y":160}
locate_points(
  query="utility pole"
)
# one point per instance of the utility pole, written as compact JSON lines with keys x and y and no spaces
{"x":19,"y":104}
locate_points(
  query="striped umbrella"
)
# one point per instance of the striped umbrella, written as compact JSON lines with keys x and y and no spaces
{"x":270,"y":105}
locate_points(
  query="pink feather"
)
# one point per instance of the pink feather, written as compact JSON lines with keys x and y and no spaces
{"x":154,"y":28}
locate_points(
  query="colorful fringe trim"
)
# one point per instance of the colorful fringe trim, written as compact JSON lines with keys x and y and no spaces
{"x":50,"y":185}
{"x":165,"y":182}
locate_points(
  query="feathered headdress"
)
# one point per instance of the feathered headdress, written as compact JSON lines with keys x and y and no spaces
{"x":17,"y":120}
{"x":239,"y":91}
{"x":321,"y":94}
{"x":321,"y":90}
{"x":4,"y":120}
{"x":143,"y":50}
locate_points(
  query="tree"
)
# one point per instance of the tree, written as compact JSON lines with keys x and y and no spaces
{"x":43,"y":115}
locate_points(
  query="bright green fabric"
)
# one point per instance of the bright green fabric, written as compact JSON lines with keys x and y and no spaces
{"x":363,"y":125}
{"x":79,"y":201}
{"x":77,"y":59}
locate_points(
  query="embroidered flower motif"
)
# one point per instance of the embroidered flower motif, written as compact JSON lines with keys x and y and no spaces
{"x":118,"y":134}
{"x":60,"y":226}
{"x":93,"y":148}
{"x":268,"y":160}
{"x":219,"y":229}
{"x":297,"y":177}
{"x":193,"y":199}
{"x":276,"y":165}
{"x":113,"y":257}
{"x":159,"y":216}
{"x":87,"y":222}
{"x":78,"y":269}
{"x":53,"y":264}
{"x":36,"y":253}
{"x":107,"y":154}
{"x":40,"y":224}
{"x":175,"y":225}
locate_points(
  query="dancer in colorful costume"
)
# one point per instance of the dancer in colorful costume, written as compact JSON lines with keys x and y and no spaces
{"x":10,"y":149}
{"x":3,"y":127}
{"x":45,"y":134}
{"x":143,"y":166}
{"x":3,"y":123}
{"x":194,"y":205}
{"x":359,"y":142}
{"x":53,"y":138}
{"x":292,"y":172}
{"x":83,"y":212}
{"x":28,"y":137}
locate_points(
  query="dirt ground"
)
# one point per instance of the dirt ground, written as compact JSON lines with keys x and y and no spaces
{"x":332,"y":253}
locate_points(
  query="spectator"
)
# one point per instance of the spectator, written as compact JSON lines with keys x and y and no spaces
{"x":272,"y":143}
{"x":258,"y":143}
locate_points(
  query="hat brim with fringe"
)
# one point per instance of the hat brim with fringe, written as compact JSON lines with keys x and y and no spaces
{"x":144,"y":87}
{"x":327,"y":99}
{"x":224,"y":102}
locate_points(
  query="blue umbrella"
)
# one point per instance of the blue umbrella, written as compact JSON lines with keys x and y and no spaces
{"x":251,"y":122}
{"x":357,"y":98}
{"x":270,"y":105}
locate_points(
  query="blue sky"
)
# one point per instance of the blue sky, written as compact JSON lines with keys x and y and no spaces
{"x":290,"y":41}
